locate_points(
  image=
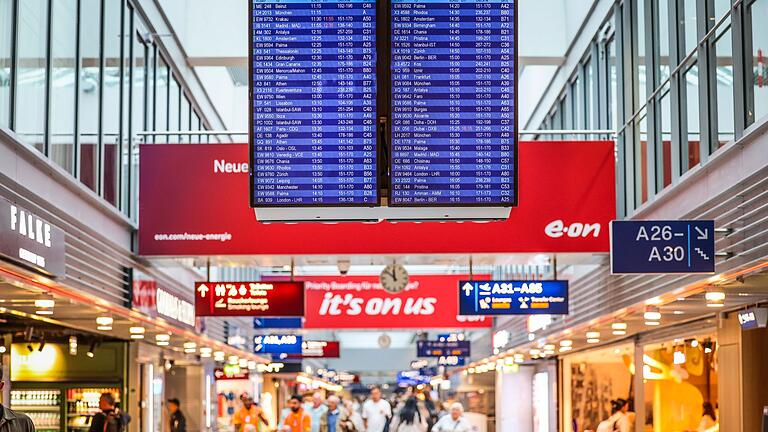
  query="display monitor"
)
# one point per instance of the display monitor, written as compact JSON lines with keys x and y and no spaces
{"x":453,"y":126}
{"x":313,"y":103}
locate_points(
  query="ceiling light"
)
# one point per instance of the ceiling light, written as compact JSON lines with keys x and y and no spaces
{"x":219,"y":356}
{"x":44,"y":312}
{"x":593,"y":335}
{"x":163,"y":339}
{"x":104,"y":323}
{"x":619,"y":325}
{"x":694,"y":343}
{"x":45,"y":303}
{"x":565,"y":348}
{"x":252,"y":365}
{"x":73,"y":345}
{"x":566,"y":343}
{"x":652,"y":323}
{"x":206,"y":352}
{"x":679,"y":357}
{"x":549,"y":347}
{"x":652,"y":315}
{"x":715,"y":299}
{"x":654,"y":301}
{"x":92,"y":350}
{"x":137,"y":332}
{"x":243,"y":363}
{"x":534,"y":352}
{"x":190,"y":347}
{"x":233,"y":359}
{"x":593,"y":341}
{"x":678,"y":312}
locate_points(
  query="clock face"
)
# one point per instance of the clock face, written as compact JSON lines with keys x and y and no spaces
{"x":394,"y":278}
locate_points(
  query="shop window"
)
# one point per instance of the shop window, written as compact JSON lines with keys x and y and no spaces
{"x":64,"y":61}
{"x":591,"y":380}
{"x":680,"y":378}
{"x":6,"y":27}
{"x":691,"y":80}
{"x":758,"y":11}
{"x":90,"y":88}
{"x":111,"y":107}
{"x":725,"y":90}
{"x":31,"y":79}
{"x":161,"y":100}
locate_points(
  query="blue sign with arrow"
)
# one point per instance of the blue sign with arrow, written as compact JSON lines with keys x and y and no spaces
{"x":277,"y":344}
{"x":662,"y":247}
{"x":278,"y":323}
{"x":513,"y":297}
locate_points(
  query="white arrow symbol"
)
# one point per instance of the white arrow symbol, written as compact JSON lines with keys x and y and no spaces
{"x":219,"y":374}
{"x":203,"y":290}
{"x":703,"y":235}
{"x":468,"y":289}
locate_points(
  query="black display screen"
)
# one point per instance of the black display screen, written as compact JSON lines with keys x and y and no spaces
{"x":453,"y":107}
{"x":313,"y":95}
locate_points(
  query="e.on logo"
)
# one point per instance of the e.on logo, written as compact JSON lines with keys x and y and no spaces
{"x":558,"y":228}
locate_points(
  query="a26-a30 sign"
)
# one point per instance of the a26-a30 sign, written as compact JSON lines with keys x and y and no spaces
{"x":257,"y":299}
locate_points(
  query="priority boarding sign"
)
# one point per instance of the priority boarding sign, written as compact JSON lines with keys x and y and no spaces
{"x":659,"y":247}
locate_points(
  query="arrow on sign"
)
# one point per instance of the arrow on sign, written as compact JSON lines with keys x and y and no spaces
{"x":468,"y":289}
{"x":218,"y":374}
{"x":203,"y":290}
{"x":703,"y":235}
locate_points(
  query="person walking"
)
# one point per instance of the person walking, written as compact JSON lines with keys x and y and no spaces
{"x":12,"y":421}
{"x":355,"y":418}
{"x":250,"y":417}
{"x":619,"y":420}
{"x":316,"y":410}
{"x":110,"y":419}
{"x":410,"y":418}
{"x":454,"y":422}
{"x":297,"y":419}
{"x":336,"y":419}
{"x":177,"y":420}
{"x":376,"y":412}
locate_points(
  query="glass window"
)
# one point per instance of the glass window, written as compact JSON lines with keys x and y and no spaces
{"x":113,"y":37}
{"x":725,"y":89}
{"x":161,"y":99}
{"x":758,"y":11}
{"x":90,"y":88}
{"x":590,"y":121}
{"x":641,"y":58}
{"x":31,"y":83}
{"x":664,"y":67}
{"x":641,"y":159}
{"x":195,"y":127}
{"x":688,"y":24}
{"x":64,"y":61}
{"x":139,"y":78}
{"x":692,"y":105}
{"x":613,"y":110}
{"x":6,"y":21}
{"x":173,"y":109}
{"x":185,"y":113}
{"x":666,"y":135}
{"x":722,"y":7}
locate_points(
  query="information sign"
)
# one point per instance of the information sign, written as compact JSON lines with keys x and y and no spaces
{"x":753,"y":318}
{"x":442,"y":349}
{"x":278,"y":323}
{"x":513,"y":297}
{"x":451,"y":361}
{"x":412,"y":378}
{"x":277,"y":344}
{"x":662,"y":247}
{"x":454,"y":139}
{"x":318,"y":349}
{"x":313,"y":103}
{"x":231,"y":373}
{"x":258,"y":299}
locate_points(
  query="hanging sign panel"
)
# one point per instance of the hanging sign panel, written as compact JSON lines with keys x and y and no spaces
{"x":513,"y":297}
{"x":313,"y":103}
{"x":277,"y":344}
{"x":318,"y":349}
{"x":454,"y":139}
{"x":259,"y":299}
{"x":442,"y":349}
{"x":30,"y":240}
{"x":662,"y":247}
{"x":278,"y":323}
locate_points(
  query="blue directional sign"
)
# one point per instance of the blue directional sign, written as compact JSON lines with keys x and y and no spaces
{"x":513,"y":297}
{"x":451,"y":361}
{"x":662,"y":247}
{"x":277,"y":344}
{"x":278,"y":323}
{"x":411,"y":378}
{"x":442,"y":349}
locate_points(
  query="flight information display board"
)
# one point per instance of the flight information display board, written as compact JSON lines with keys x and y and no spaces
{"x":313,"y":93}
{"x":454,"y":135}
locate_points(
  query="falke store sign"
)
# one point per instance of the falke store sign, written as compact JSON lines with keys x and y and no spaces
{"x":183,"y":211}
{"x":358,"y":302}
{"x":30,"y":240}
{"x":254,"y":299}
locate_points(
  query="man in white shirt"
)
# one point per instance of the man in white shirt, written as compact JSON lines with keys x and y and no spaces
{"x":376,"y":412}
{"x":316,"y":410}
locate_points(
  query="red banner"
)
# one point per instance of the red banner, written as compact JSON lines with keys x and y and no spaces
{"x":318,"y":349}
{"x":253,"y":299}
{"x":233,"y":374}
{"x":192,"y":205}
{"x":359,"y":302}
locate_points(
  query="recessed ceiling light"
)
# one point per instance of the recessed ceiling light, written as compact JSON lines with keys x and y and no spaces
{"x":566,"y":343}
{"x":652,"y":315}
{"x":45,"y":303}
{"x":678,"y":312}
{"x":652,"y":323}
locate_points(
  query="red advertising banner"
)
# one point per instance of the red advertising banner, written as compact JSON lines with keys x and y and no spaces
{"x":359,"y":302}
{"x":318,"y":349}
{"x":194,"y":203}
{"x":253,"y":299}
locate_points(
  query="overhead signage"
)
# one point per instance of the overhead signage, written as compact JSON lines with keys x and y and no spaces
{"x":563,"y":211}
{"x":149,"y":298}
{"x":231,"y":373}
{"x":318,"y":349}
{"x":450,"y":337}
{"x":753,"y":318}
{"x":451,"y":361}
{"x":662,"y":247}
{"x":359,"y":302}
{"x":442,"y":349}
{"x":30,"y":240}
{"x":429,"y":371}
{"x":454,"y":134}
{"x":313,"y":103}
{"x":277,"y":344}
{"x":418,"y":364}
{"x":257,"y":299}
{"x":412,"y":378}
{"x":513,"y":297}
{"x":278,"y":323}
{"x":279,"y":367}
